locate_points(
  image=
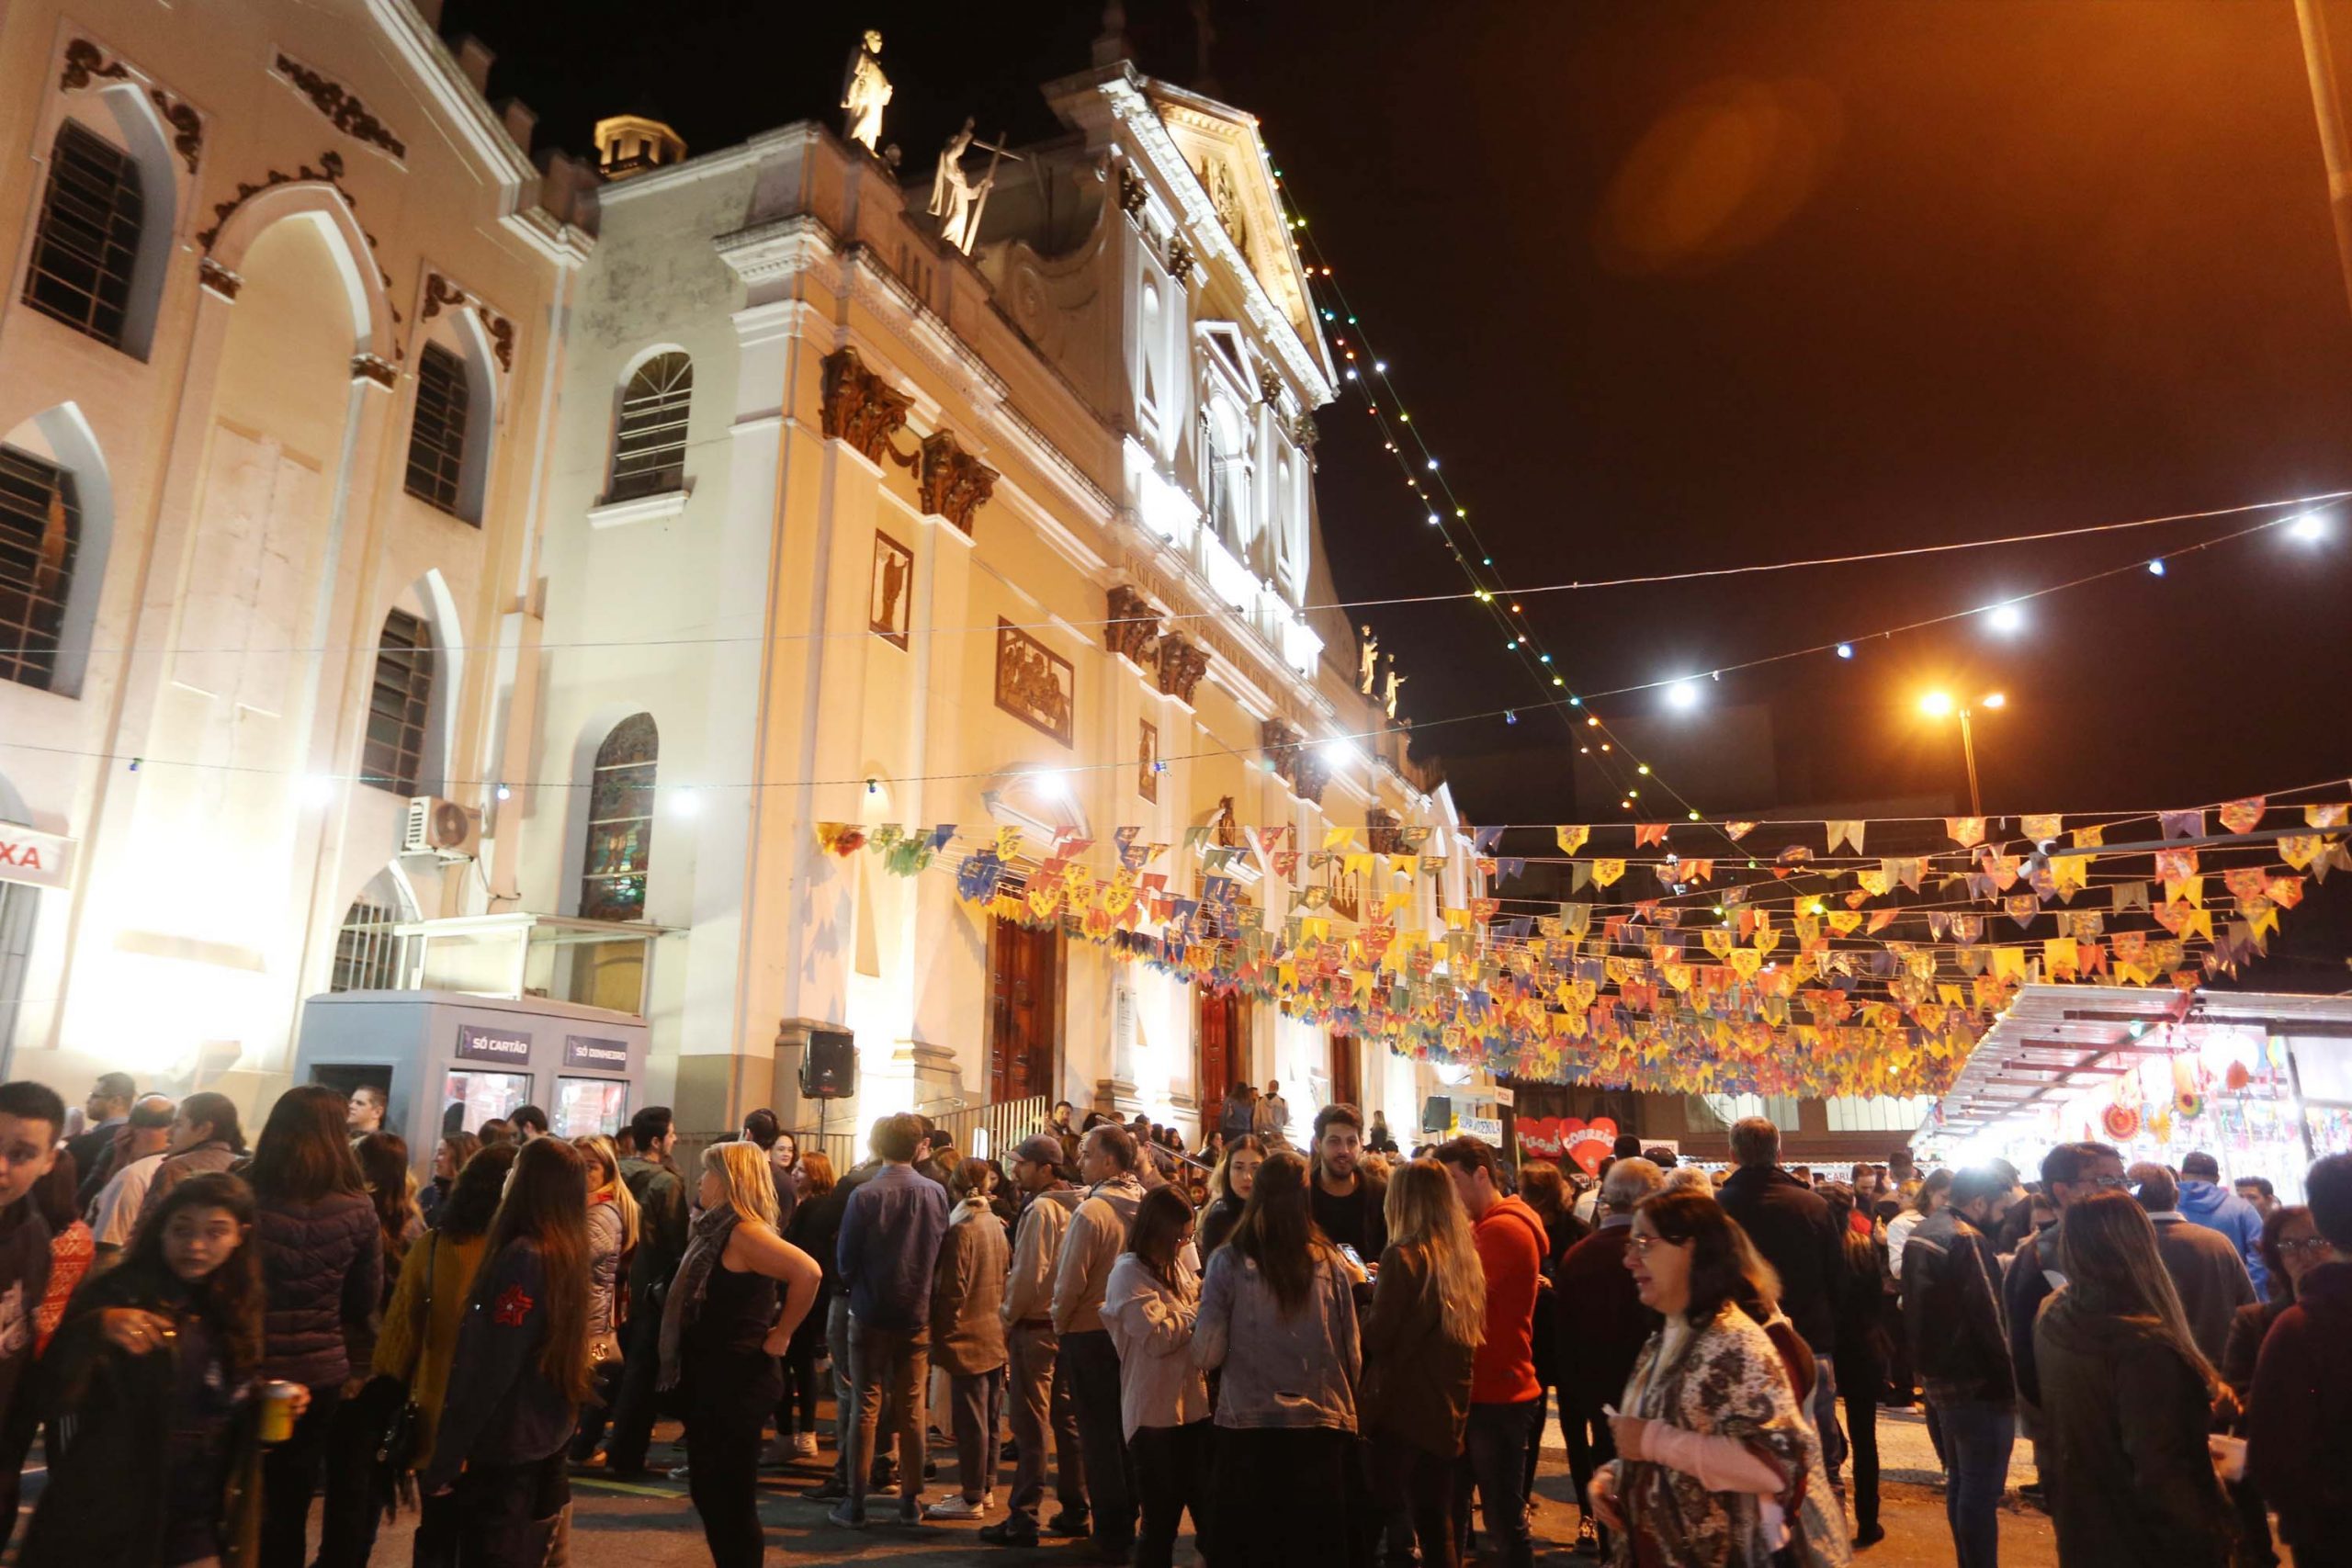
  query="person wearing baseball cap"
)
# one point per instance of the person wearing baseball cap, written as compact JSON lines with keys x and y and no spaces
{"x":1030,"y":1346}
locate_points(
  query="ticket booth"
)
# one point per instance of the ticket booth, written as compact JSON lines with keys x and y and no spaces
{"x":448,"y":1061}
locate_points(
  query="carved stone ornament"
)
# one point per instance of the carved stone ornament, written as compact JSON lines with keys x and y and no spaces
{"x":1270,"y":386}
{"x":330,"y":172}
{"x":86,"y":62}
{"x":210,"y":274}
{"x":1279,"y":741}
{"x":370,"y":368}
{"x":950,"y":481}
{"x":1314,"y":775}
{"x":1133,"y":626}
{"x":440,"y":292}
{"x":1180,"y":258}
{"x":1181,"y":665}
{"x":859,"y":407}
{"x":342,"y":107}
{"x":187,"y":126}
{"x":1132,"y":190}
{"x":1382,"y":832}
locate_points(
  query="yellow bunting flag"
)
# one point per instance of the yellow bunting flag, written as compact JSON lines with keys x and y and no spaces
{"x":1571,"y":839}
{"x":1606,"y":873}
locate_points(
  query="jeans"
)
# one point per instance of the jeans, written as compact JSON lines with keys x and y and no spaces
{"x":732,"y":1393}
{"x":596,"y":1410}
{"x":974,"y":1399}
{"x":1415,"y":1489}
{"x":1495,"y":1454}
{"x":1592,"y":1444}
{"x":897,"y":1360}
{"x":1860,"y":1393}
{"x":1171,"y":1465}
{"x":796,"y":1411}
{"x":290,"y":1478}
{"x":1091,"y":1362}
{"x":1977,"y":1438}
{"x":1278,"y":1497}
{"x":1825,"y":1418}
{"x":1038,"y":1397}
{"x":633,"y":1407}
{"x":509,"y":1516}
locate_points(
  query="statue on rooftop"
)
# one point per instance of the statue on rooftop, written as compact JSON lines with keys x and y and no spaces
{"x":866,"y":91}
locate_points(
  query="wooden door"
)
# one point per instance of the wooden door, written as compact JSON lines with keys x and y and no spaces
{"x":1347,"y":1083}
{"x":1223,"y":1050}
{"x":1024,"y":996}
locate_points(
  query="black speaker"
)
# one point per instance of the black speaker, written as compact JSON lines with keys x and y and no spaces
{"x":829,"y":1069}
{"x":1437,"y":1113}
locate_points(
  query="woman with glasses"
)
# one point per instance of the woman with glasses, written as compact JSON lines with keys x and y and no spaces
{"x":2291,"y":1247}
{"x":1718,"y":1466}
{"x":2126,"y":1401}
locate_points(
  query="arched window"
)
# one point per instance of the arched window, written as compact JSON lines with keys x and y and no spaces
{"x":399,"y":706}
{"x":87,"y":245}
{"x":649,"y":446}
{"x":39,"y":525}
{"x":369,"y":956}
{"x":437,"y":435}
{"x":1228,"y":476}
{"x":620,"y":822}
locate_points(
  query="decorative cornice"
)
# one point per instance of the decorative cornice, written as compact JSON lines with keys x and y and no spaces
{"x":768,"y":252}
{"x":329,"y":172}
{"x":342,"y":107}
{"x":860,"y":408}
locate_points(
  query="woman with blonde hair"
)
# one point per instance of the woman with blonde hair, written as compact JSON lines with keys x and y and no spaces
{"x":1429,"y":1312}
{"x":612,"y":1237}
{"x":722,"y":1331}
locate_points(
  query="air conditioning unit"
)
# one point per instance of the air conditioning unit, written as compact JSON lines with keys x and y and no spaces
{"x":442,"y":828}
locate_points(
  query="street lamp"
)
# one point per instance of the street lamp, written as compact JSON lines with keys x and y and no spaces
{"x":1936,"y":705}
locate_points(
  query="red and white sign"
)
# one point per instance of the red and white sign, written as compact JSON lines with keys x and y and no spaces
{"x":45,"y":860}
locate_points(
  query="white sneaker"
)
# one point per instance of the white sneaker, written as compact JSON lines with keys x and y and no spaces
{"x":804,"y":1445}
{"x":956,"y":1506}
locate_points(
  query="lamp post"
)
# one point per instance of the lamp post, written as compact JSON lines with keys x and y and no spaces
{"x":1936,"y":705}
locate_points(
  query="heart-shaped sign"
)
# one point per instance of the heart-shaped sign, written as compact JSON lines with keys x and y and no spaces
{"x":1591,"y":1144}
{"x":1546,"y":1136}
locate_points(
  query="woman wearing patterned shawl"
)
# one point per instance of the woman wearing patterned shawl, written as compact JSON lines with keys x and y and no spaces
{"x":1718,"y":1466}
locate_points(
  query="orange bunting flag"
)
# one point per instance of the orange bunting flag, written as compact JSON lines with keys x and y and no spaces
{"x":1965,"y":831}
{"x":2241,"y":816}
{"x":2090,"y":838}
{"x":2039,"y":827}
{"x":1698,"y":870}
{"x":1649,"y":833}
{"x":2324,"y":816}
{"x":1571,"y":839}
{"x":1738,"y":830}
{"x":1881,"y":919}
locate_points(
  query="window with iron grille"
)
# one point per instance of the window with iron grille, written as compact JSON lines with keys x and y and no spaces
{"x":649,"y":446}
{"x":367,"y":955}
{"x":88,"y":238}
{"x":40,"y":526}
{"x":394,"y":758}
{"x":436,"y":437}
{"x":620,"y":822}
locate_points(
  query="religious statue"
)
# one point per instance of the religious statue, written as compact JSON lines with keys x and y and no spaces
{"x":956,"y":200}
{"x":1368,"y":678}
{"x":864,"y":91}
{"x":1388,"y":696}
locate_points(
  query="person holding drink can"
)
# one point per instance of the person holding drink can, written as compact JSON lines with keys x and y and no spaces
{"x":157,"y":1462}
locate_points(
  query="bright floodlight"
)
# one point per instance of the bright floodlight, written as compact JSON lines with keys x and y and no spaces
{"x":1993,"y":700}
{"x":1682,"y":694}
{"x":685,"y":803}
{"x":1936,"y":705}
{"x":1844,"y":650}
{"x":2005,"y":618}
{"x":1339,"y":754}
{"x":315,"y":789}
{"x":2309,"y":529}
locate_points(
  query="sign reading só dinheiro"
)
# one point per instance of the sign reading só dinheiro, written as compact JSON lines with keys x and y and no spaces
{"x":41,"y":859}
{"x":587,"y":1051}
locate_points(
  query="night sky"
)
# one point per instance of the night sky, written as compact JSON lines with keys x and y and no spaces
{"x":1679,"y":285}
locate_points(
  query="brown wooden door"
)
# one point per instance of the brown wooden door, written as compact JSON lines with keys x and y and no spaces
{"x":1347,"y":1083}
{"x":1024,"y":996}
{"x":1224,"y":1053}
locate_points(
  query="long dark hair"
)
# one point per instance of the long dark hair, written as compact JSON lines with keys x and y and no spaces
{"x":1724,"y":1265}
{"x":1159,"y":1230}
{"x":2274,"y":1227}
{"x":230,"y":1298}
{"x":1277,"y":1232}
{"x":2107,"y":1246}
{"x":473,"y":1197}
{"x":383,"y":1162}
{"x":304,"y":1151}
{"x":546,"y":1207}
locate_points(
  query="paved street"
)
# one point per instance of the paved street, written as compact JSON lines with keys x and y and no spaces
{"x":652,"y":1526}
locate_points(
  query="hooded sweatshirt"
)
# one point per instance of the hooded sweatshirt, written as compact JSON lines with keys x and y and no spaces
{"x":2299,"y":1423}
{"x":1097,"y":1234}
{"x":2217,"y":1208}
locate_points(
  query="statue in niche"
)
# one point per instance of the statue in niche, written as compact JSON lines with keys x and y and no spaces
{"x":956,"y":200}
{"x":866,"y":91}
{"x":1369,"y":676}
{"x":1388,"y":694}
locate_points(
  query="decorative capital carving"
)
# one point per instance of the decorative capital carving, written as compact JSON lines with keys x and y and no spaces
{"x":1313,"y":776}
{"x":211,"y":275}
{"x":1132,"y":190}
{"x":859,"y":406}
{"x":1133,"y":626}
{"x":369,"y":368}
{"x":1382,"y":832}
{"x":1279,"y":741}
{"x":1181,"y":665}
{"x":343,"y":109}
{"x":1270,"y":386}
{"x":86,"y":62}
{"x":1180,"y":258}
{"x":950,"y":481}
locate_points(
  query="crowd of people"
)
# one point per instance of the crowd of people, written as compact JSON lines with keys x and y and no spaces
{"x":1326,"y":1353}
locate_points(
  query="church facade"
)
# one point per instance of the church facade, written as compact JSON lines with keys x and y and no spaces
{"x":970,"y":511}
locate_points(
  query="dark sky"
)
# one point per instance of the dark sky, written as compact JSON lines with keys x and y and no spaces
{"x":1673,"y":285}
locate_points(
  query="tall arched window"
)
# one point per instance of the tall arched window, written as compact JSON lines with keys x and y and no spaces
{"x":1228,"y":476}
{"x":650,"y":445}
{"x":39,"y":525}
{"x":437,"y":435}
{"x":399,"y":706}
{"x":620,"y":822}
{"x":87,"y":242}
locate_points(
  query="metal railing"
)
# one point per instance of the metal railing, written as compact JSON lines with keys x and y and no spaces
{"x":1006,"y":1122}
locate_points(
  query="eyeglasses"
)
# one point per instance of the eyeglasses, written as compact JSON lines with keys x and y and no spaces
{"x":2109,"y":1183}
{"x":2303,"y":1244}
{"x":1642,"y":1244}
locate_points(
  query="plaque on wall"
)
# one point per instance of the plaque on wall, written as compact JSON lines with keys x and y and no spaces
{"x":1147,"y":763}
{"x":479,"y":1043}
{"x":892,"y":589}
{"x":1034,"y":683}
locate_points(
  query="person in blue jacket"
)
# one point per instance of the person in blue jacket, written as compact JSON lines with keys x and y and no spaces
{"x":2205,"y":1202}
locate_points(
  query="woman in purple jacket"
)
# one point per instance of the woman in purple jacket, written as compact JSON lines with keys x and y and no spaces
{"x":323,"y":1271}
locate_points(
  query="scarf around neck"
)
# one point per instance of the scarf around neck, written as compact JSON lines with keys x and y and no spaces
{"x":706,"y":1242}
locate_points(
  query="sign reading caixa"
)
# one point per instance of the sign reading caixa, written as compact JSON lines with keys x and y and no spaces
{"x":43,"y":860}
{"x":476,"y":1042}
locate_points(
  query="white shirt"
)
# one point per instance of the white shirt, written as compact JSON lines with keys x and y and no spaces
{"x":114,"y":1212}
{"x":1898,"y":1231}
